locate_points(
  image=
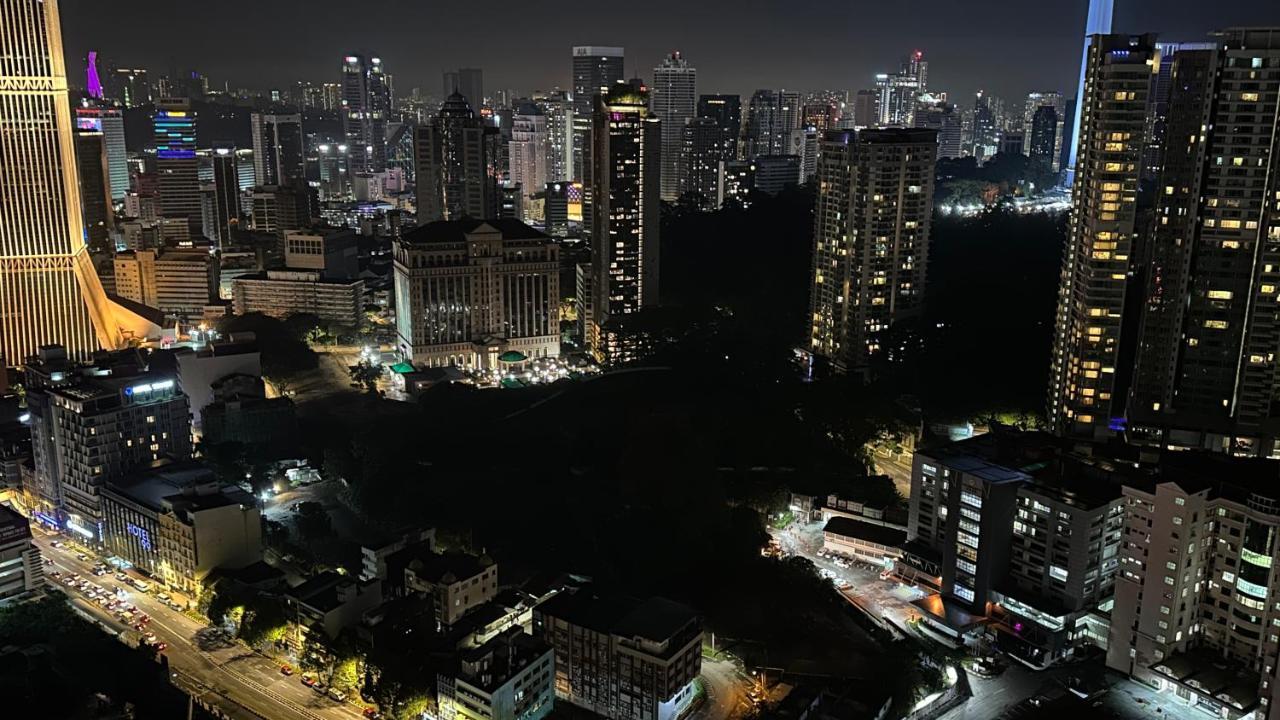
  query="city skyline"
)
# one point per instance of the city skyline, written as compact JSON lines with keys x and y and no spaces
{"x":966,"y":50}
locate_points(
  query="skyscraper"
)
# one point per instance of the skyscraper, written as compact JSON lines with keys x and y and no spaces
{"x":672,"y":99}
{"x":1035,"y":101}
{"x":871,"y":238}
{"x":226,"y":197}
{"x":986,"y":127}
{"x":95,"y":188}
{"x":594,"y":67}
{"x":49,"y":291}
{"x":467,"y":82}
{"x":897,"y":93}
{"x":528,"y":156}
{"x":941,"y":116}
{"x":365,"y":103}
{"x":1207,"y":355}
{"x":1043,"y":135}
{"x":710,"y":139}
{"x":177,"y":169}
{"x":772,"y":115}
{"x":1084,"y":394}
{"x":130,"y":86}
{"x":278,"y":157}
{"x":452,"y":168}
{"x":627,"y":157}
{"x":110,"y":122}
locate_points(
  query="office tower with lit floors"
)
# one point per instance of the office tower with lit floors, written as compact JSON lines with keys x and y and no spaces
{"x":594,"y":67}
{"x":110,"y":122}
{"x":177,"y":168}
{"x":451,"y":161}
{"x":1206,"y":368}
{"x":1084,"y":395}
{"x":528,"y":153}
{"x":49,"y":291}
{"x":95,"y":188}
{"x":871,"y":239}
{"x":365,"y":104}
{"x":673,"y":101}
{"x":278,"y":156}
{"x":627,"y":156}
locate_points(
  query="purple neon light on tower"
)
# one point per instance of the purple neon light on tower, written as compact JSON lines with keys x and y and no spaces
{"x":95,"y":83}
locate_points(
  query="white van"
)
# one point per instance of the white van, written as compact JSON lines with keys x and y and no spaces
{"x":142,"y":585}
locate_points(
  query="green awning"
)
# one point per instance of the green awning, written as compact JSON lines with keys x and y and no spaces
{"x":403,"y":368}
{"x":512,"y":356}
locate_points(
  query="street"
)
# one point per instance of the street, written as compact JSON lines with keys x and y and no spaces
{"x":224,"y":672}
{"x":726,"y":691}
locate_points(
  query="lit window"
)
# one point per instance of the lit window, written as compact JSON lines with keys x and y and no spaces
{"x":1219,"y":294}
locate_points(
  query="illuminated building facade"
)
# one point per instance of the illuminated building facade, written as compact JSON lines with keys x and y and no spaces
{"x":177,"y":168}
{"x":468,"y":292}
{"x":1096,"y":262}
{"x":99,"y":428}
{"x":626,"y":175}
{"x":278,"y":158}
{"x":49,"y":291}
{"x":594,"y":67}
{"x":871,"y":238}
{"x":451,"y":159}
{"x":110,"y":122}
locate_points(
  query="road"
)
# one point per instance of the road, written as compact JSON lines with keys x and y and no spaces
{"x":223,"y":672}
{"x":726,"y":691}
{"x":897,"y":470}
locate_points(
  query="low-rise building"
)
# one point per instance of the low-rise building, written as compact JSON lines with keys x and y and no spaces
{"x":21,"y":568}
{"x":331,"y":251}
{"x":179,"y":283}
{"x":507,"y":678}
{"x":865,"y":541}
{"x":177,"y":523}
{"x":200,"y":369}
{"x":281,"y":293}
{"x":457,"y":582}
{"x":622,"y":658}
{"x":327,"y":603}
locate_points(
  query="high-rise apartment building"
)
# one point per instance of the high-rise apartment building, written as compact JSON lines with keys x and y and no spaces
{"x":672,"y":100}
{"x":95,"y":188}
{"x":49,"y":291}
{"x":1196,"y":597}
{"x":477,"y":294}
{"x":866,"y":109}
{"x":986,"y":127}
{"x":453,"y":180}
{"x":365,"y":104}
{"x":627,"y":156}
{"x":177,"y":168}
{"x":771,"y":117}
{"x":1206,"y":368}
{"x":110,"y":122}
{"x":595,"y":68}
{"x":528,"y":152}
{"x":871,"y":238}
{"x":1085,"y":392}
{"x":278,"y":157}
{"x":280,"y":208}
{"x":467,"y":82}
{"x":1097,"y":23}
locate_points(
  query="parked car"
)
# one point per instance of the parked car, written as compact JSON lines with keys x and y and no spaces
{"x":286,"y":670}
{"x":336,"y":694}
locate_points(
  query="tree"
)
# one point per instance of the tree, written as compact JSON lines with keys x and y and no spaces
{"x":263,"y":621}
{"x":366,"y":373}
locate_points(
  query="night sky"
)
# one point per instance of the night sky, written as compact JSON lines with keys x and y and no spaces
{"x":1006,"y":47}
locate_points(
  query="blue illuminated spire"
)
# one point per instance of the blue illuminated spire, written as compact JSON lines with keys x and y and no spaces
{"x":1098,"y":23}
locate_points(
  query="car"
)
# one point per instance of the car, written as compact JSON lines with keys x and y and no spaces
{"x":82,"y":557}
{"x":320,"y":687}
{"x":286,"y":670}
{"x":100,"y":572}
{"x":161,"y":646}
{"x":162,"y":596}
{"x":55,"y":573}
{"x":144,"y":619}
{"x":336,"y":694}
{"x":309,"y":680}
{"x":175,"y":605}
{"x":69,"y":581}
{"x":149,"y":637}
{"x":372,"y":713}
{"x":56,"y":543}
{"x":122,"y":577}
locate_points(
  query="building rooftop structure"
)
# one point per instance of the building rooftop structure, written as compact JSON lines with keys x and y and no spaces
{"x":447,"y":231}
{"x":656,"y":619}
{"x":870,"y":532}
{"x":166,"y":485}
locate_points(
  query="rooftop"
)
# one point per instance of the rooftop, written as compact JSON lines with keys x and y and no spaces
{"x":656,"y":619}
{"x":870,"y":532}
{"x":447,"y":231}
{"x":189,"y":486}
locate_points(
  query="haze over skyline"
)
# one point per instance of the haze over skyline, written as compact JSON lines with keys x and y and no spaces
{"x":1008,"y":49}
